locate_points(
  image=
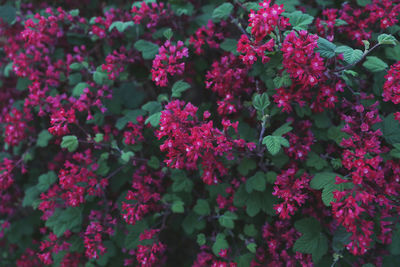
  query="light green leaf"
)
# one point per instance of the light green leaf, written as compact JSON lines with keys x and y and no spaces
{"x":261,"y":102}
{"x":387,"y":39}
{"x":375,"y":64}
{"x":179,"y":87}
{"x":154,"y":119}
{"x":299,"y":20}
{"x":284,"y":129}
{"x":312,"y":240}
{"x":220,"y":243}
{"x":178,"y":206}
{"x":70,"y":142}
{"x":43,"y":138}
{"x":222,"y":12}
{"x":149,"y":50}
{"x":202,"y":207}
{"x":325,"y":48}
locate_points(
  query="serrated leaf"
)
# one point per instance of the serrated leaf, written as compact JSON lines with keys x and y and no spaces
{"x":154,"y":119}
{"x":149,"y":50}
{"x":202,"y":207}
{"x":222,"y":12}
{"x":179,"y":87}
{"x":325,"y":48}
{"x":390,"y":128}
{"x":201,"y":239}
{"x":178,"y":206}
{"x":152,"y":107}
{"x":312,"y":240}
{"x":227,"y":220}
{"x":282,"y":81}
{"x":78,"y":89}
{"x":63,"y":220}
{"x":274,"y":143}
{"x":283,"y":129}
{"x":220,"y":243}
{"x":386,"y":39}
{"x":43,"y":138}
{"x":70,"y":142}
{"x":351,"y":56}
{"x":375,"y":64}
{"x":121,"y":26}
{"x":256,"y":182}
{"x":8,"y":13}
{"x":299,"y":20}
{"x":46,"y":180}
{"x":229,"y":45}
{"x":181,"y":182}
{"x":261,"y":102}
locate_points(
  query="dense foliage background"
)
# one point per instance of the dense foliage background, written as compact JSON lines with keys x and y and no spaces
{"x":199,"y":133}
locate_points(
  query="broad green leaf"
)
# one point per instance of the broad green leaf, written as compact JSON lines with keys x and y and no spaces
{"x":43,"y":138}
{"x":375,"y":64}
{"x":152,"y":107}
{"x":256,"y":182}
{"x":299,"y":20}
{"x":284,"y":129}
{"x":394,"y":247}
{"x":70,"y":142}
{"x":121,"y":26}
{"x":390,"y":129}
{"x":246,"y":165}
{"x":315,"y":161}
{"x":201,"y":239}
{"x":274,"y":143}
{"x":154,"y":162}
{"x":227,"y":220}
{"x":325,"y":48}
{"x":350,"y":55}
{"x":181,"y":182}
{"x":8,"y":13}
{"x":46,"y":180}
{"x":326,"y":182}
{"x":363,"y":2}
{"x":63,"y":220}
{"x":168,"y":33}
{"x":250,"y":230}
{"x":78,"y":89}
{"x":312,"y":241}
{"x":179,"y":87}
{"x":220,"y":243}
{"x":178,"y":206}
{"x":154,"y":119}
{"x":222,"y":12}
{"x":202,"y":207}
{"x":229,"y":45}
{"x":282,"y":81}
{"x":149,"y":50}
{"x":261,"y":102}
{"x":387,"y":39}
{"x":340,"y":22}
{"x":132,"y":238}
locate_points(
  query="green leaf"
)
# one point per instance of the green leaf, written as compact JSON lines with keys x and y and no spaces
{"x":222,"y":12}
{"x":46,"y":180}
{"x":246,"y":165}
{"x":168,"y":33}
{"x":274,"y":143}
{"x":315,"y":161}
{"x":261,"y":102}
{"x":252,"y":247}
{"x":98,"y":137}
{"x":121,"y":26}
{"x":78,"y":89}
{"x":312,"y":240}
{"x":70,"y":142}
{"x":63,"y":220}
{"x":227,"y":220}
{"x":284,"y":129}
{"x":178,"y":206}
{"x":340,"y":22}
{"x":220,"y":243}
{"x":202,"y":207}
{"x":363,"y":2}
{"x":350,"y":55}
{"x":152,"y":107}
{"x":8,"y":13}
{"x":31,"y":197}
{"x":256,"y":182}
{"x":387,"y":39}
{"x":390,"y":129}
{"x":154,"y":162}
{"x":100,"y":77}
{"x":23,"y":83}
{"x":154,"y":119}
{"x":299,"y":20}
{"x":229,"y":45}
{"x":181,"y":182}
{"x":375,"y":64}
{"x":179,"y":87}
{"x":394,"y":247}
{"x":282,"y":81}
{"x":325,"y":48}
{"x":43,"y":138}
{"x":201,"y":239}
{"x":132,"y":238}
{"x":326,"y":182}
{"x":149,"y":50}
{"x":76,"y":66}
{"x":126,"y":156}
{"x":250,"y":230}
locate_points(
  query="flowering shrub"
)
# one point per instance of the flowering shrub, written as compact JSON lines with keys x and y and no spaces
{"x":200,"y":133}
